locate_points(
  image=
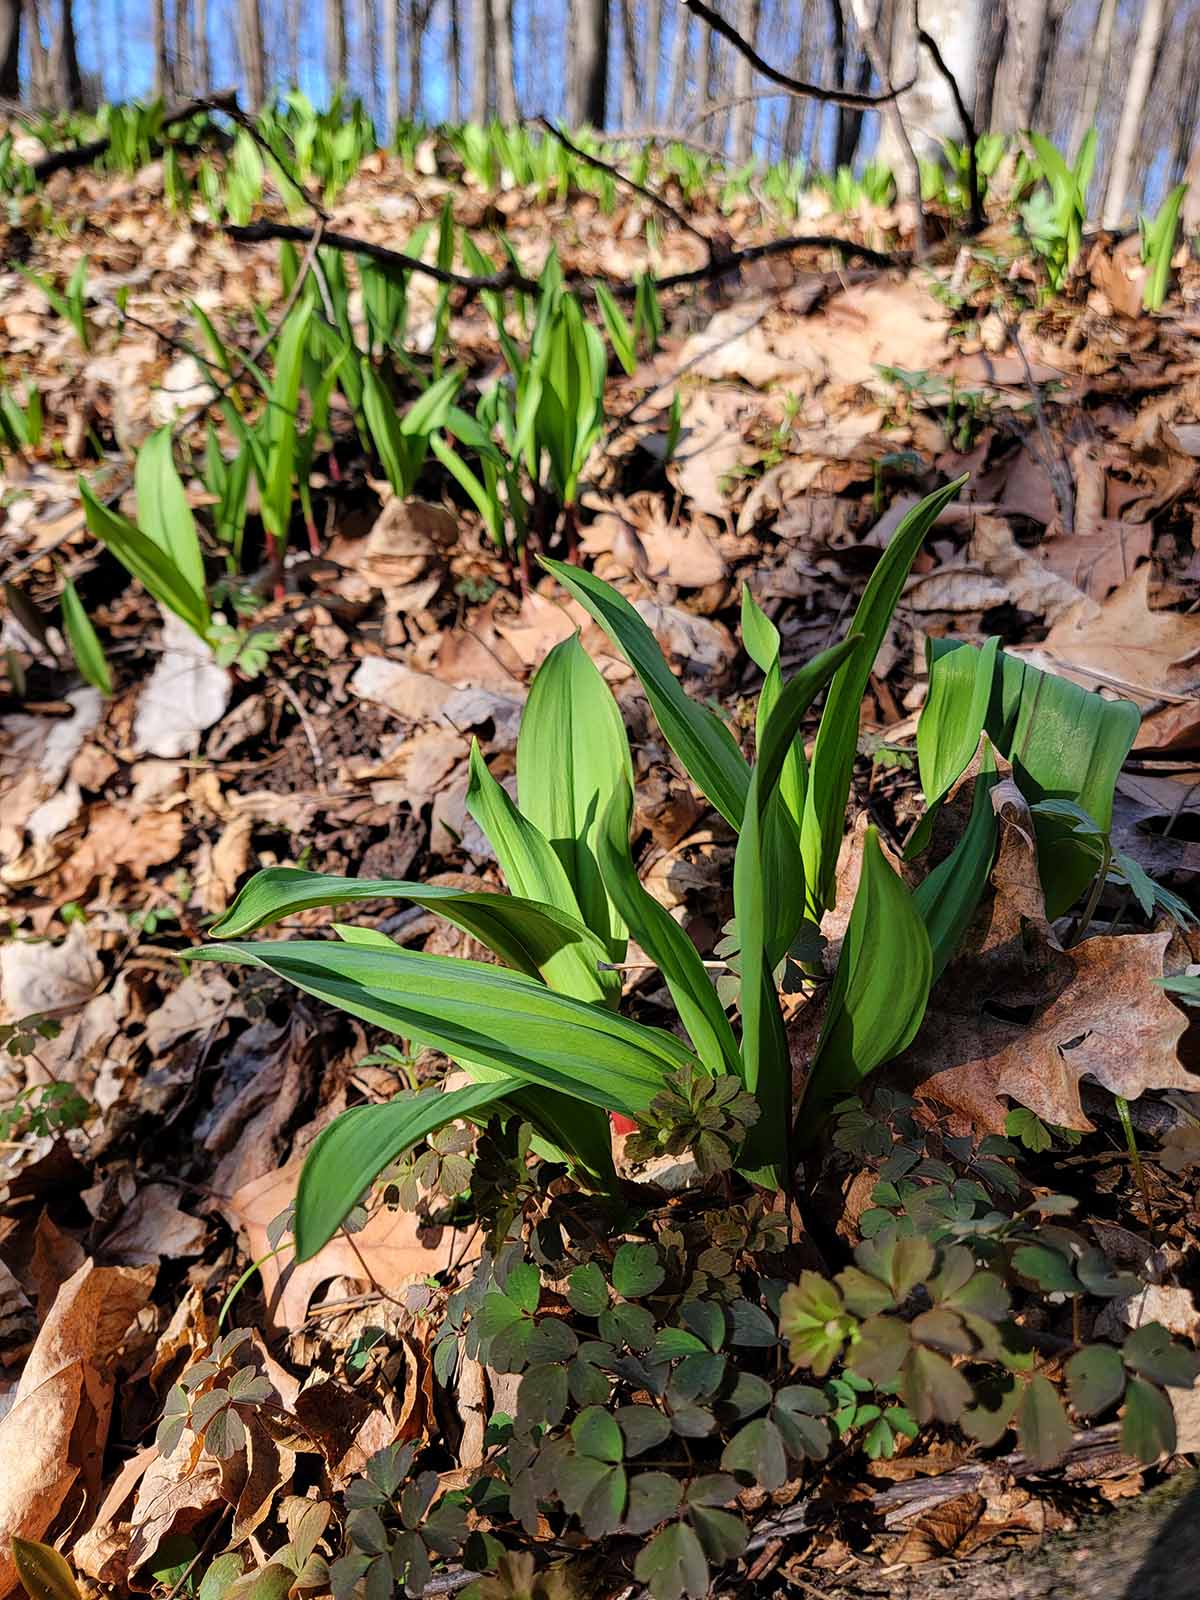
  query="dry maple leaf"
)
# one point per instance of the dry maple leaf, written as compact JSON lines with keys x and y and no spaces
{"x":1018,"y":1018}
{"x":1150,"y":656}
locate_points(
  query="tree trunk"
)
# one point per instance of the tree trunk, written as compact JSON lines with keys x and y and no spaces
{"x":10,"y":49}
{"x":631,"y":92}
{"x":1017,"y":85}
{"x":793,"y":127}
{"x":455,"y":63}
{"x":587,"y":63}
{"x":991,"y":52}
{"x":480,"y":60}
{"x":335,"y":43}
{"x":39,"y":66}
{"x":681,"y":60}
{"x":850,"y":121}
{"x":163,"y":84}
{"x":744,"y":115}
{"x":1187,"y":102}
{"x":1137,"y":93}
{"x":895,"y":135}
{"x":368,"y":27}
{"x":927,"y":114}
{"x":504,"y":65}
{"x":391,"y":66}
{"x":185,"y":83}
{"x":200,"y":53}
{"x":66,"y":80}
{"x":1095,"y":73}
{"x":250,"y":49}
{"x":648,"y":111}
{"x":837,"y":62}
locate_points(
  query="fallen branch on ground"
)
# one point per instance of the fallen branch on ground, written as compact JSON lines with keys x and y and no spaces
{"x":82,"y":155}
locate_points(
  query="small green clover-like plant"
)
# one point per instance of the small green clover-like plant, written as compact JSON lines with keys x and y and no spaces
{"x":21,"y":1038}
{"x":395,"y":1530}
{"x":443,"y":1168}
{"x":858,"y":1407}
{"x":695,"y":1111}
{"x":211,"y":1398}
{"x":44,"y":1109}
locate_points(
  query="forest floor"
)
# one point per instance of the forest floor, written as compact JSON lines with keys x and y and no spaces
{"x":816,"y":404}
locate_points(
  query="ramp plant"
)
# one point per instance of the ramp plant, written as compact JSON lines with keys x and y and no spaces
{"x":541,"y":1033}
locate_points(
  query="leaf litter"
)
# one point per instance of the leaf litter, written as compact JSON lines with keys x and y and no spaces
{"x":812,"y":413}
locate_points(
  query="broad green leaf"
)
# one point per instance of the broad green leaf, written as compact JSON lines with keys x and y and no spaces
{"x":1063,"y":743}
{"x":533,"y":871}
{"x":81,"y":636}
{"x":572,"y":758}
{"x":879,"y":991}
{"x":430,"y":410}
{"x":163,"y":511}
{"x":282,"y":424}
{"x":149,"y":564}
{"x":1042,"y":1425}
{"x":758,"y":897}
{"x":837,"y":737}
{"x":697,"y":735}
{"x":481,"y":1015}
{"x":637,"y":1270}
{"x":620,"y":334}
{"x":1095,"y":1378}
{"x":525,"y":934}
{"x":354,"y":1149}
{"x":673,"y":1564}
{"x":947,"y":897}
{"x":401,"y":453}
{"x":1148,"y":1425}
{"x":761,"y":639}
{"x":952,"y":718}
{"x":43,"y":1573}
{"x":1160,"y":247}
{"x":665,"y":943}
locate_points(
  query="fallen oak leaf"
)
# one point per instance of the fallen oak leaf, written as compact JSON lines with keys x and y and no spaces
{"x":1016,"y":1017}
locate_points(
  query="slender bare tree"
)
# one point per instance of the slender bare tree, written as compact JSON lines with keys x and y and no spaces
{"x":744,"y":113}
{"x":1018,"y":85}
{"x":183,"y":74}
{"x":66,"y":80}
{"x":504,"y":65}
{"x":250,"y":52}
{"x":587,"y":63}
{"x":1145,"y":57}
{"x":10,"y":49}
{"x":200,"y":53}
{"x":39,"y":61}
{"x":630,"y":76}
{"x":1099,"y":49}
{"x":481,"y":61}
{"x":648,"y":110}
{"x":336,"y":61}
{"x":391,"y":63}
{"x":163,"y":76}
{"x":455,"y":63}
{"x":681,"y":61}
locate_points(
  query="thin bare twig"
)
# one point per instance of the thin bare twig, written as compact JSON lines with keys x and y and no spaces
{"x":813,"y":91}
{"x":912,"y":166}
{"x":507,"y":278}
{"x":236,"y":114}
{"x":664,"y":206}
{"x":1055,"y":462}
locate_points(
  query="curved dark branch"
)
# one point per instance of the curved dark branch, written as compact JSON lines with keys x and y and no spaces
{"x":813,"y":91}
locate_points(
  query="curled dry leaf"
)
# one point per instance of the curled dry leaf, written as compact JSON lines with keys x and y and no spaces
{"x":1149,"y":656}
{"x":390,"y":1251}
{"x":1092,"y":1011}
{"x":52,"y":1440}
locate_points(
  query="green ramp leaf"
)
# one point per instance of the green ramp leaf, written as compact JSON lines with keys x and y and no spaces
{"x":147,"y":562}
{"x":837,"y":738}
{"x":532,"y":869}
{"x":480,"y":1015}
{"x":766,"y":1063}
{"x":525,"y":934}
{"x":697,"y":735}
{"x":665,"y":943}
{"x":1064,"y":743}
{"x":81,"y":636}
{"x":572,"y":756}
{"x":879,"y":991}
{"x":356,"y":1147}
